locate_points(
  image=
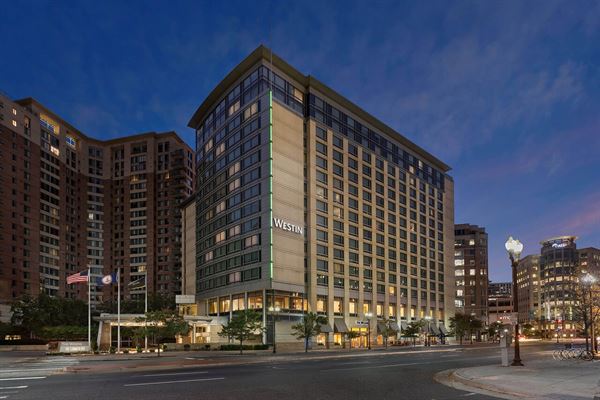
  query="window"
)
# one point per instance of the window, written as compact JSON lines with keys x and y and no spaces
{"x":322,"y":134}
{"x":250,"y":241}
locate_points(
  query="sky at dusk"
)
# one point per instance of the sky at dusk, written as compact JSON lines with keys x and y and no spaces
{"x":506,"y":93}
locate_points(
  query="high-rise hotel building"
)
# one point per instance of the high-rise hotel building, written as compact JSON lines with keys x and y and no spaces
{"x":69,"y":201}
{"x":305,"y":199}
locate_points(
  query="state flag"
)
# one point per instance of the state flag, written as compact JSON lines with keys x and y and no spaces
{"x":106,"y":279}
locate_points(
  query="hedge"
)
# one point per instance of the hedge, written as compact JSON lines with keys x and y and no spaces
{"x":226,"y":347}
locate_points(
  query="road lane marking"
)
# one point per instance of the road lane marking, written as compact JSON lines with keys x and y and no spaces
{"x":168,"y":382}
{"x":179,"y":373}
{"x":5,"y":371}
{"x":404,"y":364}
{"x":22,"y":378}
{"x":13,"y":387}
{"x":374,"y":366}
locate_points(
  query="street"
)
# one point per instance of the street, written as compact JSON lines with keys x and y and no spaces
{"x":374,"y":375}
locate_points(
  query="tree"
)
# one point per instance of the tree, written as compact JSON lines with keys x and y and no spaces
{"x":243,"y":326}
{"x":475,"y":325}
{"x":388,"y":331}
{"x":460,"y":324}
{"x":413,"y":329}
{"x":308,"y":327}
{"x":163,"y":324}
{"x":351,"y":335}
{"x":36,"y":313}
{"x":494,"y":330}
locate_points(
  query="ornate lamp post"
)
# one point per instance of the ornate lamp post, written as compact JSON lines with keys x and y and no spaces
{"x":588,"y":280}
{"x":274,"y":312}
{"x":368,"y":316}
{"x":514,"y":249}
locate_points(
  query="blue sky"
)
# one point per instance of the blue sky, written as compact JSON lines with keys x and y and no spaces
{"x":507,"y":93}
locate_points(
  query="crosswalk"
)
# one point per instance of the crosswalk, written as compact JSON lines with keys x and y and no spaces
{"x":20,"y":374}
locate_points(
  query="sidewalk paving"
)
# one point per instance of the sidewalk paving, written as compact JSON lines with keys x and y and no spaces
{"x":538,"y":379}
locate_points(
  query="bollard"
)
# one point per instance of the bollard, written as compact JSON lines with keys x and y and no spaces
{"x":504,"y":350}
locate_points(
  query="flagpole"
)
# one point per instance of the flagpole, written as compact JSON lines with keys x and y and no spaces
{"x":146,"y":312}
{"x":89,"y":310}
{"x":118,"y":309}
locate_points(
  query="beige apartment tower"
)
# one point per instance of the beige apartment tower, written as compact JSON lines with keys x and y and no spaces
{"x":306,"y":202}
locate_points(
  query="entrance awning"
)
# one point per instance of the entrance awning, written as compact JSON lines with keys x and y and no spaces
{"x":325,"y":328}
{"x":443,"y":330}
{"x":394,"y":326}
{"x":381,"y":328}
{"x":432,"y":331}
{"x":404,"y":325}
{"x":339,"y":326}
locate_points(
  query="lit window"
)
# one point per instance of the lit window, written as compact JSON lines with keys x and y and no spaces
{"x":14,"y":122}
{"x":251,"y":241}
{"x":221,"y":206}
{"x":220,"y":149}
{"x":234,"y":231}
{"x":208,"y":146}
{"x":14,"y":111}
{"x":234,"y":107}
{"x":219,"y":237}
{"x":235,"y":168}
{"x":208,"y":256}
{"x":234,"y":185}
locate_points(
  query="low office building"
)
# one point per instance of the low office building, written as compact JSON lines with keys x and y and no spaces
{"x":528,"y":290}
{"x":500,"y":302}
{"x":471,"y":270}
{"x":305,"y":202}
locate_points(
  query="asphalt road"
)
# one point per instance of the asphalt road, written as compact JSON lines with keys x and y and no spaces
{"x":398,"y":375}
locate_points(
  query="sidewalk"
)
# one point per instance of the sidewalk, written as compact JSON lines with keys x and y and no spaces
{"x":538,"y":379}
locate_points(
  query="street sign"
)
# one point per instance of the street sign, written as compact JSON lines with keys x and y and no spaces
{"x":509,"y":318}
{"x":362,"y":323}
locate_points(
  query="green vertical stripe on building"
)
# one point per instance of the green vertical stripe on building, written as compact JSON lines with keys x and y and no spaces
{"x":271,"y":185}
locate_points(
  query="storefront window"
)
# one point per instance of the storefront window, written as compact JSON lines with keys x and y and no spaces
{"x":321,"y":304}
{"x":338,"y":306}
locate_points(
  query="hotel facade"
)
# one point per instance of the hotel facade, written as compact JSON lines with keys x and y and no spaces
{"x":305,"y":202}
{"x":69,"y":202}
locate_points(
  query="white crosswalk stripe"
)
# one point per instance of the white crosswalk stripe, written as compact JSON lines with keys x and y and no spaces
{"x":19,"y":374}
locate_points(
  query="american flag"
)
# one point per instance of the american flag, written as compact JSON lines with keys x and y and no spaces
{"x":78,"y":277}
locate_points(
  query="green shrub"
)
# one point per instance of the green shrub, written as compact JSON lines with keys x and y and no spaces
{"x":230,"y":347}
{"x":112,"y":350}
{"x":138,"y":349}
{"x":125,"y":351}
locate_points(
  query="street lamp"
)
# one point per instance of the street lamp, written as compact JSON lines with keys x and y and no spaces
{"x":274,"y":311}
{"x":514,"y":249}
{"x":368,"y":316}
{"x":589,"y":280}
{"x":428,"y":319}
